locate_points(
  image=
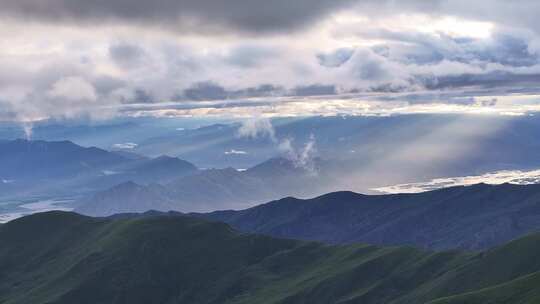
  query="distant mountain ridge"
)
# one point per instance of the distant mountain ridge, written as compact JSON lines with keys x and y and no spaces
{"x":56,"y":169}
{"x":45,"y":167}
{"x":39,"y":159}
{"x":473,"y":217}
{"x":464,"y":217}
{"x":215,"y":189}
{"x":61,"y":258}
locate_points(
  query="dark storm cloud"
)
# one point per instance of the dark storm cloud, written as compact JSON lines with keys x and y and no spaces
{"x":258,"y":15}
{"x":126,"y":55}
{"x":205,"y":91}
{"x":264,"y":90}
{"x":142,"y":96}
{"x":315,"y":90}
{"x":487,"y":80}
{"x":211,"y":91}
{"x":179,"y":15}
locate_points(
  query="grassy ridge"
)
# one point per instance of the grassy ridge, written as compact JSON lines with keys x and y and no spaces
{"x":62,"y":257}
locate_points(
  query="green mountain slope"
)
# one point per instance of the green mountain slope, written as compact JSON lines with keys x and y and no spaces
{"x":61,"y":257}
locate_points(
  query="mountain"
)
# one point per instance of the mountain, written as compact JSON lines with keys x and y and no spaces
{"x":61,"y":258}
{"x":126,"y":196}
{"x":164,"y":168}
{"x":378,"y":150}
{"x":63,"y":168}
{"x":215,"y":189}
{"x":473,"y":217}
{"x":206,"y":190}
{"x":23,"y":159}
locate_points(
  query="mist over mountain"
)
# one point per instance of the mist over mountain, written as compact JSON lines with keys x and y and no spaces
{"x":269,"y":152}
{"x":364,"y":152}
{"x":455,"y":145}
{"x":214,"y":189}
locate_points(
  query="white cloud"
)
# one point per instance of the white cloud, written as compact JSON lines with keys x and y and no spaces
{"x":126,"y":146}
{"x":257,"y":127}
{"x":235,"y":152}
{"x":495,"y":178}
{"x":301,"y":157}
{"x":73,"y":89}
{"x":82,"y":72}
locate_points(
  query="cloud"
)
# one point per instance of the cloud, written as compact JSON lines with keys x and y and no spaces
{"x":45,"y":87}
{"x":207,"y":90}
{"x":125,"y":146}
{"x":314,"y":90}
{"x":126,"y":55}
{"x":73,"y":90}
{"x":240,"y":57}
{"x":303,"y":157}
{"x":257,"y":128}
{"x":235,"y":152}
{"x":184,"y":15}
{"x":335,"y":58}
{"x":250,"y":56}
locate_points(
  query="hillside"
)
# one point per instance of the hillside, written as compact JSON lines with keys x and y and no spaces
{"x":474,"y":217}
{"x":67,"y":258}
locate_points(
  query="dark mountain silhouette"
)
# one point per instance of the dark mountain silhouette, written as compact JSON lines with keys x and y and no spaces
{"x":472,"y":217}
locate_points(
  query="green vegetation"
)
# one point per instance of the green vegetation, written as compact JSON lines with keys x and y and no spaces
{"x":60,"y":257}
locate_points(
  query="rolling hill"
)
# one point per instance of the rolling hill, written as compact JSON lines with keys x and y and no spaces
{"x":59,"y":257}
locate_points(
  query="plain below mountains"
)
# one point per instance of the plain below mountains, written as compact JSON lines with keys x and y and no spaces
{"x":58,"y":258}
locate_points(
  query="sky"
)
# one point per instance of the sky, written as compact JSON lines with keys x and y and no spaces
{"x":97,"y":59}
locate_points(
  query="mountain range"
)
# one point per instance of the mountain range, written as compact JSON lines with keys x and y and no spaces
{"x":213,"y":189}
{"x":59,"y":257}
{"x":48,"y":168}
{"x":464,"y":217}
{"x":118,"y":181}
{"x":375,"y":151}
{"x":473,"y":217}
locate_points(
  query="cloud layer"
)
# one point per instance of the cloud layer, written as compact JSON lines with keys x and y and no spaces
{"x":183,"y":15}
{"x":96,"y":59}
